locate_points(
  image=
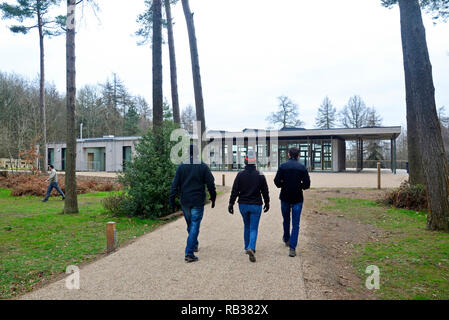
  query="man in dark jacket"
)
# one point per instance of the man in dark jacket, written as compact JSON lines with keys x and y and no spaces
{"x":189,"y":181}
{"x":292,"y":177}
{"x":248,"y":186}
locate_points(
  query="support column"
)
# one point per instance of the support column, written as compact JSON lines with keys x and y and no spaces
{"x":223,"y":154}
{"x":395,"y":165}
{"x":309,"y":156}
{"x":322,"y":155}
{"x":391,"y":156}
{"x":361,"y":154}
{"x":230,"y":156}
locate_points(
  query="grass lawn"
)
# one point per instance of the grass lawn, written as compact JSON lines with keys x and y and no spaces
{"x":37,"y":242}
{"x":413,"y":262}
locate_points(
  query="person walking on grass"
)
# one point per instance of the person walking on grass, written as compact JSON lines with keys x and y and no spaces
{"x":249,"y":187}
{"x":189,"y":181}
{"x":292,"y":177}
{"x":53,"y":179}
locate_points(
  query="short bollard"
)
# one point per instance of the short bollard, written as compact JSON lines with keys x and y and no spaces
{"x":111,"y":236}
{"x":378,"y":175}
{"x":223,"y":180}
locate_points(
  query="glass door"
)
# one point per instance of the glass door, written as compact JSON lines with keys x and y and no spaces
{"x":283,"y":155}
{"x":304,"y":154}
{"x":316,"y":157}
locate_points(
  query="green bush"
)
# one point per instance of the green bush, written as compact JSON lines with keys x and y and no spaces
{"x":115,"y":204}
{"x":412,"y":197}
{"x":147,"y":179}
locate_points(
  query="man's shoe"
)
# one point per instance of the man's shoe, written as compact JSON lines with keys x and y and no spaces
{"x":44,"y":200}
{"x":252,"y":257}
{"x":292,"y":253}
{"x":287,"y":243}
{"x":196,"y":249}
{"x":63,"y":198}
{"x":191,"y":258}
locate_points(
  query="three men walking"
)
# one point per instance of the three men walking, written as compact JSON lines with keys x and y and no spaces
{"x":249,"y":187}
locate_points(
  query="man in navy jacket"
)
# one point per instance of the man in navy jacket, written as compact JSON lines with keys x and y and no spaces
{"x":190,"y":179}
{"x":292,"y":177}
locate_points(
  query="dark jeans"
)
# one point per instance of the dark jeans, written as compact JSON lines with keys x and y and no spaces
{"x":50,"y":188}
{"x":193,"y":218}
{"x":251,"y":217}
{"x":295,"y":210}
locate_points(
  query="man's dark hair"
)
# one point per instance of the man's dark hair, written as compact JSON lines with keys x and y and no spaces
{"x":51,"y":166}
{"x":294,"y":152}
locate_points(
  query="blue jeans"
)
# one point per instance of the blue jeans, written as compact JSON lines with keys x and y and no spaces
{"x":50,"y":188}
{"x":193,"y":218}
{"x":251,"y":217}
{"x":295,"y":210}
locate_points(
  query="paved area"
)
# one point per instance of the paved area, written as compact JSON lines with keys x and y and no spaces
{"x":348,"y":179}
{"x":365,"y":179}
{"x":153,"y":267}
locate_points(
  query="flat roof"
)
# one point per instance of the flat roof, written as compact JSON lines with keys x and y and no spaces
{"x":103,"y":139}
{"x":370,"y":133}
{"x":374,"y":133}
{"x":106,"y":138}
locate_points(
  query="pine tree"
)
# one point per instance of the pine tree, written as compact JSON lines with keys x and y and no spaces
{"x":34,"y":14}
{"x":131,"y":122}
{"x":374,"y":147}
{"x":196,"y":74}
{"x":145,"y":21}
{"x":326,"y":115}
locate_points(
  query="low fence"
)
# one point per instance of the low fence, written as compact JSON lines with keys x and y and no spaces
{"x":385,"y":164}
{"x":14,"y":164}
{"x":79,"y":177}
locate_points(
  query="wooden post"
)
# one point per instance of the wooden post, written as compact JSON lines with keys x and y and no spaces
{"x":111,"y":236}
{"x":378,"y":175}
{"x":223,"y":180}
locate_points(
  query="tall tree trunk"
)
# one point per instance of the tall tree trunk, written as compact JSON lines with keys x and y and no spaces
{"x":71,"y":202}
{"x":43,"y":118}
{"x":421,"y":97}
{"x":157,"y":65}
{"x":416,"y":171}
{"x":173,"y":72}
{"x":199,"y":103}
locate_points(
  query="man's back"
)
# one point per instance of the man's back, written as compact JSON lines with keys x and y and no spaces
{"x":292,"y":177}
{"x":249,"y":186}
{"x":189,"y":181}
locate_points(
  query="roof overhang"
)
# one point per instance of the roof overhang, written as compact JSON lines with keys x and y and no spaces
{"x":374,"y":133}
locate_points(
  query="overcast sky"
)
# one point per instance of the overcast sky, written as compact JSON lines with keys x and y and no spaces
{"x":251,"y":52}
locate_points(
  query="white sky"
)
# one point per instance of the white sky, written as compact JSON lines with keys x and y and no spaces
{"x":251,"y":52}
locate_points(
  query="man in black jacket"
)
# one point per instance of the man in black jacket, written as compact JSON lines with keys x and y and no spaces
{"x":292,"y":177}
{"x":190,"y":178}
{"x":248,"y":186}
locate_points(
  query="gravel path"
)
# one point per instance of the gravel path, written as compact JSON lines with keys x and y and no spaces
{"x":153,"y":267}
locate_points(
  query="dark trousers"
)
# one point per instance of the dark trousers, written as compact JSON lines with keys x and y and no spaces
{"x":193,"y":216}
{"x":54,"y":185}
{"x":293,"y":210}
